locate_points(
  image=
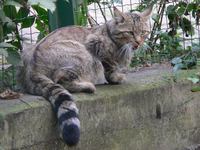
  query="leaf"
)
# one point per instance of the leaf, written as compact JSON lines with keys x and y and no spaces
{"x":13,"y":3}
{"x":13,"y":56}
{"x":191,"y":7}
{"x":193,"y":79}
{"x":170,"y":9}
{"x":6,"y":45}
{"x":190,"y":60}
{"x":181,"y":11}
{"x":3,"y":51}
{"x":178,"y":67}
{"x":28,"y":22}
{"x":155,"y":17}
{"x":11,"y":26}
{"x":40,"y":36}
{"x":186,"y":25}
{"x":191,"y":63}
{"x":10,"y":11}
{"x":50,"y":4}
{"x":22,"y":13}
{"x":2,"y":16}
{"x":40,"y":11}
{"x":182,"y":4}
{"x":176,"y":60}
{"x":195,"y":89}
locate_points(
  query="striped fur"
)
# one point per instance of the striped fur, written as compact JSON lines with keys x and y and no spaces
{"x":75,"y":59}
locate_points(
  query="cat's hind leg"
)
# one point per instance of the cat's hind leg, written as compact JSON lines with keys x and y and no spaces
{"x":70,"y":79}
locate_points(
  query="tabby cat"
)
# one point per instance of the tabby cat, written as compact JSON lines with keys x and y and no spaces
{"x":75,"y":59}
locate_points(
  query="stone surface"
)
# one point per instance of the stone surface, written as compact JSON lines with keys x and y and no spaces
{"x":154,"y":110}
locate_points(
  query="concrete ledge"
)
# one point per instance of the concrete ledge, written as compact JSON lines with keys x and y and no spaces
{"x":149,"y":112}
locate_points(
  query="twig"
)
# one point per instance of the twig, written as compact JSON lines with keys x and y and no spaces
{"x":157,"y":24}
{"x":98,"y":3}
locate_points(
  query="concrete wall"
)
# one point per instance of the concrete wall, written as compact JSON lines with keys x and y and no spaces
{"x":152,"y":111}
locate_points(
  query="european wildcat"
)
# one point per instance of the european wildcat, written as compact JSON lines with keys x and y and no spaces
{"x":74,"y":59}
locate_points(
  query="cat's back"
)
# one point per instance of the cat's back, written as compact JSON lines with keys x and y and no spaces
{"x":75,"y":33}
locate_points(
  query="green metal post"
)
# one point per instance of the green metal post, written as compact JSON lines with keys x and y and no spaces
{"x":63,"y":15}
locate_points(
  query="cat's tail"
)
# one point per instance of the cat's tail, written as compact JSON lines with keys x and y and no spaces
{"x":63,"y":105}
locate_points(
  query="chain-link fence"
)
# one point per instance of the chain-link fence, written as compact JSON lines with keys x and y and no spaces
{"x":174,"y":24}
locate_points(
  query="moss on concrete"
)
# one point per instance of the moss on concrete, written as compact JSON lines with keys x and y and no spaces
{"x":19,"y":106}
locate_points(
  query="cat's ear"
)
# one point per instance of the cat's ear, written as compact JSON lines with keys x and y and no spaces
{"x":146,"y":13}
{"x":118,"y":13}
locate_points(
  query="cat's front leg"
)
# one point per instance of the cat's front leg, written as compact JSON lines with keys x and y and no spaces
{"x":115,"y":77}
{"x":112,"y":73}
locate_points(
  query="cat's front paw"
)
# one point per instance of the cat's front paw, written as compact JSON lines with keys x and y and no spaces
{"x":116,"y":78}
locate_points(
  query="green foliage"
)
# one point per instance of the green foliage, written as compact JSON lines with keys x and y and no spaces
{"x":15,"y":15}
{"x":7,"y":78}
{"x":168,"y":44}
{"x":195,"y":79}
{"x":81,"y":13}
{"x":177,"y":18}
{"x":184,"y":62}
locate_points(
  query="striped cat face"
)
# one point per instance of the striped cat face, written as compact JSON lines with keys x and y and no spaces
{"x":129,"y":28}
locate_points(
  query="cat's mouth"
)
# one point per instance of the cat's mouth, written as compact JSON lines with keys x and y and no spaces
{"x":135,"y":47}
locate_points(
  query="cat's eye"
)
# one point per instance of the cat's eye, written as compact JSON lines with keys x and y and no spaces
{"x":131,"y":33}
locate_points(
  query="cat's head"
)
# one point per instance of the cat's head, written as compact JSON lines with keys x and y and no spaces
{"x":129,"y":28}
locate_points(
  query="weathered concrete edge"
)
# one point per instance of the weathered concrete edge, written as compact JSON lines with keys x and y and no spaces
{"x":120,"y":90}
{"x":164,"y":79}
